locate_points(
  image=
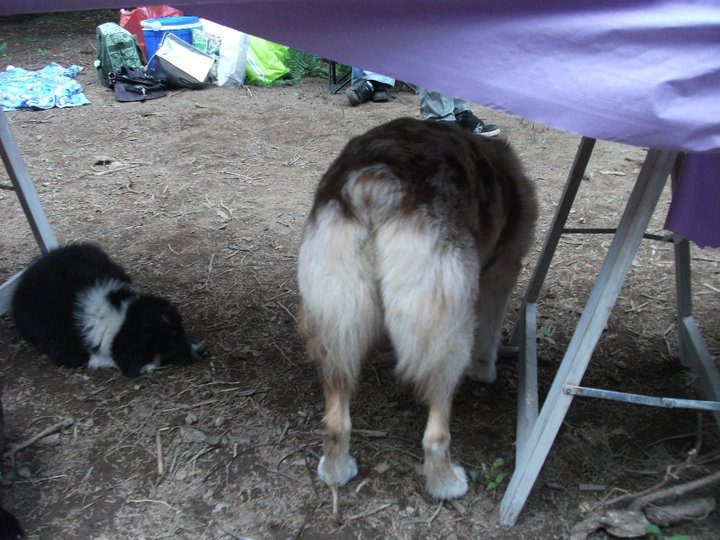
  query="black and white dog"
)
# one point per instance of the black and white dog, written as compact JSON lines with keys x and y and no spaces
{"x":80,"y":308}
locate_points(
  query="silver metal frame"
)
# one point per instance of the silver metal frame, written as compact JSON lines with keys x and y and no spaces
{"x":25,"y":191}
{"x":536,"y":430}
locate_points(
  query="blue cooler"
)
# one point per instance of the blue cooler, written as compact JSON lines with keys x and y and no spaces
{"x":155,"y":29}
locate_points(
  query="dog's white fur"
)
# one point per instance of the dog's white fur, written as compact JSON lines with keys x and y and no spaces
{"x":100,"y":321}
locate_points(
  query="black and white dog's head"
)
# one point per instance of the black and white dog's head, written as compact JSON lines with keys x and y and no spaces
{"x":152,"y":335}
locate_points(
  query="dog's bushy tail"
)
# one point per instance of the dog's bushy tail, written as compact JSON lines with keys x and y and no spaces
{"x":369,"y":261}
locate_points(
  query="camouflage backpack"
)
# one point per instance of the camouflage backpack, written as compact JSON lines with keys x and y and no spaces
{"x":115,"y":48}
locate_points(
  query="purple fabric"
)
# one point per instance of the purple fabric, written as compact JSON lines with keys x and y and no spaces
{"x":696,"y":200}
{"x":642,"y":72}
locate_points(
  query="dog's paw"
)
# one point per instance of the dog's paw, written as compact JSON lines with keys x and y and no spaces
{"x":484,"y":372}
{"x":197,"y":348}
{"x":448,"y":486}
{"x":338,"y":473}
{"x":98,"y":361}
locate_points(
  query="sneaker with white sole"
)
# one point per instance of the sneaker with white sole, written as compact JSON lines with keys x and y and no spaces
{"x":467,"y":120}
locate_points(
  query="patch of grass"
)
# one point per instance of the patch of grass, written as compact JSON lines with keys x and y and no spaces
{"x":653,"y":532}
{"x":405,"y":414}
{"x":160,"y":212}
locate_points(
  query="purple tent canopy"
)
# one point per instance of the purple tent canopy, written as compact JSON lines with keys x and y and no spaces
{"x":641,"y":72}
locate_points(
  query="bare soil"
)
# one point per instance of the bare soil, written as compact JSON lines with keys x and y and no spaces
{"x":202,"y":196}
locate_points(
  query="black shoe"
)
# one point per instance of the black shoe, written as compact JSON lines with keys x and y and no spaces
{"x":467,"y":120}
{"x":381,"y":94}
{"x":360,"y":92}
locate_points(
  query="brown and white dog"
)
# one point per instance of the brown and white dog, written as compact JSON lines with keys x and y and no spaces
{"x":417,"y":232}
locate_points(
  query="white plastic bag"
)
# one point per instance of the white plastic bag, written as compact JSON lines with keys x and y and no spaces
{"x":233,"y":53}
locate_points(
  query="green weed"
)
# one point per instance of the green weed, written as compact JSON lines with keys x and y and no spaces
{"x":653,"y":532}
{"x":494,"y":476}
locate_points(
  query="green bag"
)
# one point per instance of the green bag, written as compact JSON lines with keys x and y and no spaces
{"x":115,"y":48}
{"x":266,"y":61}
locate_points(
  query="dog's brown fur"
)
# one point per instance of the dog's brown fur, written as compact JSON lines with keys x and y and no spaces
{"x":418,"y":230}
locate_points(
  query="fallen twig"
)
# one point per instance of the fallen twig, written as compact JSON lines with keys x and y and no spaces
{"x":285,"y":356}
{"x":714,"y":289}
{"x":435,"y":513}
{"x":311,"y":476}
{"x":153,"y":501}
{"x":681,"y":511}
{"x":369,"y":433}
{"x":14,"y":449}
{"x":158,"y":446}
{"x":118,"y":168}
{"x":287,"y":310}
{"x":335,"y":496}
{"x":369,"y":512}
{"x":676,"y":491}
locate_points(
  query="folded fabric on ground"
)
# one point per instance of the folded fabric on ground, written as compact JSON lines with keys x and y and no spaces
{"x":51,"y":86}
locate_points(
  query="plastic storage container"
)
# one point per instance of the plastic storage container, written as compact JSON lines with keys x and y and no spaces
{"x":155,"y":29}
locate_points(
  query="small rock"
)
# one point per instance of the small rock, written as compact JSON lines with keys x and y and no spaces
{"x":219,"y":507}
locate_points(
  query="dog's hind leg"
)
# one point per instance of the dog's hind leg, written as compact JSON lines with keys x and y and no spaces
{"x":68,"y":355}
{"x":336,"y":465}
{"x":496,"y":285}
{"x":429,"y":289}
{"x":443,"y":479}
{"x":340,"y":320}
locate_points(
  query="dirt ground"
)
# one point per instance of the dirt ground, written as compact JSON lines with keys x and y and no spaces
{"x":202,"y":196}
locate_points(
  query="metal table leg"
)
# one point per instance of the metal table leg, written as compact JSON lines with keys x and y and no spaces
{"x":526,"y":325}
{"x":693,"y":351}
{"x":639,"y":209}
{"x":21,"y":182}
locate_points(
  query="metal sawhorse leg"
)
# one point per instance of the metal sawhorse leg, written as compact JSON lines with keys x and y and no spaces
{"x":335,"y":84}
{"x":23,"y":186}
{"x":536,"y":431}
